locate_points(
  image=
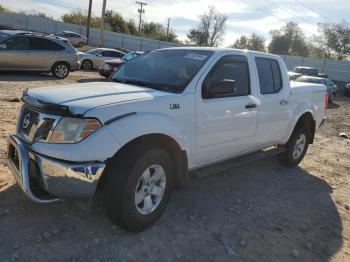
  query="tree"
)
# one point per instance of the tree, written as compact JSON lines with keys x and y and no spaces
{"x":289,"y":40}
{"x":80,"y":18}
{"x":158,"y":31}
{"x":210,"y":30}
{"x":116,"y":21}
{"x":4,"y":9}
{"x":254,"y":42}
{"x":335,"y":38}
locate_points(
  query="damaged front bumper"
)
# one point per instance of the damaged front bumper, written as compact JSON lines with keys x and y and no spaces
{"x":44,"y":179}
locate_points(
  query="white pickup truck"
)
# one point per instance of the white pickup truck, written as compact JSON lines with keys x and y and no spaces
{"x":162,"y":115}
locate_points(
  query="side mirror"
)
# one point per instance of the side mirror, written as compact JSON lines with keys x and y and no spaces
{"x":219,"y":89}
{"x":99,"y":54}
{"x":2,"y":46}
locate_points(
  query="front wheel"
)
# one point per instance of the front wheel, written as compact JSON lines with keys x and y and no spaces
{"x":296,"y":148}
{"x":86,"y":64}
{"x":60,"y":70}
{"x":139,"y":188}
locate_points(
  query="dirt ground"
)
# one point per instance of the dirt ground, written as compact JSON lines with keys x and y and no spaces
{"x":258,"y":212}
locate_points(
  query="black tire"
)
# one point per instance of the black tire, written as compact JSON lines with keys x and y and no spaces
{"x":289,"y":158}
{"x":122,"y":180}
{"x":87,"y":64}
{"x":60,"y":70}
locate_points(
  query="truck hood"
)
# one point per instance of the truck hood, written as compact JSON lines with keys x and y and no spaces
{"x":81,"y":98}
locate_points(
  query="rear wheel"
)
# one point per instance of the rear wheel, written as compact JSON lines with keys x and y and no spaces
{"x":138,"y":188}
{"x":296,"y":147}
{"x":60,"y":70}
{"x":86,"y":64}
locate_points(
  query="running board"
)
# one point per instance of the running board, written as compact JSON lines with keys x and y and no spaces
{"x":236,"y":162}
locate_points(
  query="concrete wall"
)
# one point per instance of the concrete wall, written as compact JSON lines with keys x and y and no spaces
{"x":111,"y":39}
{"x":336,"y":70}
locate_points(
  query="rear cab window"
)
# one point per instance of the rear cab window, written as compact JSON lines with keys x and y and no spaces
{"x":36,"y":43}
{"x":270,"y":77}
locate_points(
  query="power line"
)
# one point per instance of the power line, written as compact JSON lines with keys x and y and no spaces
{"x":141,"y":11}
{"x":269,"y":13}
{"x":292,"y":13}
{"x":312,"y":9}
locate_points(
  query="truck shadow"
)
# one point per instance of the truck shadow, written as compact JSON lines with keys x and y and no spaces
{"x":262,"y":212}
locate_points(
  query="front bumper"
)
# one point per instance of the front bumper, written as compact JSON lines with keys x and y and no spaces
{"x":75,"y":66}
{"x":44,"y":179}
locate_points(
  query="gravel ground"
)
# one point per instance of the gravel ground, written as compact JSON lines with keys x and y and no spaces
{"x":260,"y":212}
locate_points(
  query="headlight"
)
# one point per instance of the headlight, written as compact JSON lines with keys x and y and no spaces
{"x":73,"y":130}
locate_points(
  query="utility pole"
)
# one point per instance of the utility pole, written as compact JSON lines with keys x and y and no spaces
{"x":102,"y":23}
{"x":141,"y":11}
{"x":167,"y":30}
{"x":88,"y":22}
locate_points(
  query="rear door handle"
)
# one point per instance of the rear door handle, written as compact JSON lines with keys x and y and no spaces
{"x":251,"y":106}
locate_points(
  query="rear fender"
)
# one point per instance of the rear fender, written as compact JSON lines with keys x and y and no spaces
{"x":302,"y":108}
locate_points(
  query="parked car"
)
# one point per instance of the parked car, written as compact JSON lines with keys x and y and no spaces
{"x":309,"y":71}
{"x":7,"y":33}
{"x":37,"y":52}
{"x":74,"y":38}
{"x":331,"y":87}
{"x":292,"y":75}
{"x":109,"y":66}
{"x":166,"y":113}
{"x":346,"y":90}
{"x":93,"y":58}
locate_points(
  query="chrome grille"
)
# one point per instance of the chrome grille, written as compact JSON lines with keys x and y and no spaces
{"x":34,"y":126}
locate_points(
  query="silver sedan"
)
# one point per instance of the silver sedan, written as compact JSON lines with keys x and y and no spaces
{"x":93,"y":58}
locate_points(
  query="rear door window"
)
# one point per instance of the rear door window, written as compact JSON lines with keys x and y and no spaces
{"x":17,"y":43}
{"x":44,"y":44}
{"x":112,"y":54}
{"x":270,"y":77}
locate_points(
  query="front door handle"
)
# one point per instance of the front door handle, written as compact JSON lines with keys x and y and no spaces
{"x":251,"y":106}
{"x":284,"y":102}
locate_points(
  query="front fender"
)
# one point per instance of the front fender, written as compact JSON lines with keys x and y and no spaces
{"x":133,"y":126}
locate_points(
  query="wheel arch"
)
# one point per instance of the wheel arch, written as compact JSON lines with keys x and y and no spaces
{"x":164,"y":141}
{"x":60,"y":62}
{"x":307,"y":119}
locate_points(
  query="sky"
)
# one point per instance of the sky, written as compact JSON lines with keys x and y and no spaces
{"x":244,"y":16}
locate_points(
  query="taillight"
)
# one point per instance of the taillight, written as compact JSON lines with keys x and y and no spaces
{"x":326,"y":102}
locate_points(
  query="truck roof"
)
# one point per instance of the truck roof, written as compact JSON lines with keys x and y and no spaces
{"x":222,"y":50}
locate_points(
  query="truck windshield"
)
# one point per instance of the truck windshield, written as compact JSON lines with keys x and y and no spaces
{"x":167,"y":70}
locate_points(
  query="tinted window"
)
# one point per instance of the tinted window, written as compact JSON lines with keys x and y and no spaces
{"x":3,"y":35}
{"x":232,"y":68}
{"x":17,"y":43}
{"x":112,"y":54}
{"x":93,"y":51}
{"x":43,"y":44}
{"x":270,"y":78}
{"x":168,"y":70}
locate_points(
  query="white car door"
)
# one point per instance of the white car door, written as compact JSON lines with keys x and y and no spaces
{"x":274,"y":110}
{"x":226,"y":110}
